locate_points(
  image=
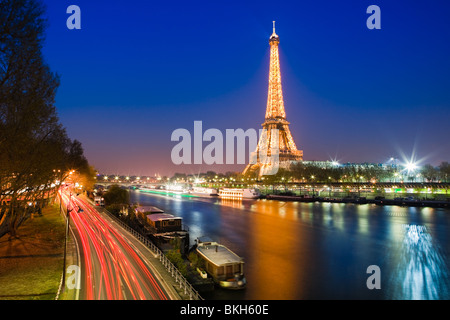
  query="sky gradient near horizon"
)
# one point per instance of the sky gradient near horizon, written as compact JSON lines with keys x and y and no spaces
{"x":138,"y":70}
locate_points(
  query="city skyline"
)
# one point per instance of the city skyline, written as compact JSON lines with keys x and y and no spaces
{"x":134,"y":74}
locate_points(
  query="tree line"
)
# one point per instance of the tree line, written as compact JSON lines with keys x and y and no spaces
{"x":311,"y":173}
{"x":36,"y":154}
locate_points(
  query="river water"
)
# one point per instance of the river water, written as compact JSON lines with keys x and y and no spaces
{"x":298,"y":250}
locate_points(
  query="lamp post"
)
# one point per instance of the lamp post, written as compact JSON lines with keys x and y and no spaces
{"x":313,"y":186}
{"x":329,"y":188}
{"x":65,"y":240}
{"x":359,"y":185}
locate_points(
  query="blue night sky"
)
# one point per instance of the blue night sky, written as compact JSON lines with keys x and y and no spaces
{"x":138,"y":70}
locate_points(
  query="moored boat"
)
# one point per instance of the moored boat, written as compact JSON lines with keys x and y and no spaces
{"x":165,"y":190}
{"x":224,"y":266}
{"x":238,"y":193}
{"x":204,"y":192}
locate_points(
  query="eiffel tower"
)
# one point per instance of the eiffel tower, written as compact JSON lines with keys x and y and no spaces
{"x":275,"y":119}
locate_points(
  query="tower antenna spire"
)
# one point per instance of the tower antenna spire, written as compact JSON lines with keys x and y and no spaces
{"x":273,"y":26}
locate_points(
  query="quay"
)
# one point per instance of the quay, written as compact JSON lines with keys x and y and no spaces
{"x":408,"y":201}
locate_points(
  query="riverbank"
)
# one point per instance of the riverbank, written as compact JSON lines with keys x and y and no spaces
{"x":31,"y":263}
{"x":408,"y":201}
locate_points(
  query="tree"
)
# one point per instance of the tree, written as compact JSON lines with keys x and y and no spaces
{"x":116,"y":195}
{"x":180,"y":176}
{"x":444,"y":171}
{"x":117,"y":200}
{"x":429,"y":172}
{"x":35,"y":148}
{"x":75,"y":160}
{"x":176,"y":258}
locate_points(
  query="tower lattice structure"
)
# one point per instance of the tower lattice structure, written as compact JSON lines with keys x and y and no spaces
{"x":275,"y":119}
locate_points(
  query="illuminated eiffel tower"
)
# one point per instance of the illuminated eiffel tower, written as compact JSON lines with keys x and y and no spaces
{"x":275,"y":119}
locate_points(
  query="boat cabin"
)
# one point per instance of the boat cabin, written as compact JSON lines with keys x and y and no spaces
{"x":164,"y":222}
{"x":143,"y":210}
{"x":224,"y":266}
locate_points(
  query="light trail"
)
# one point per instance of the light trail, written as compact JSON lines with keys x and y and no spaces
{"x":113,"y":270}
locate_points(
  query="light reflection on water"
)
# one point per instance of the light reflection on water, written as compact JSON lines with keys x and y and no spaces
{"x":322,"y":250}
{"x":422,"y":267}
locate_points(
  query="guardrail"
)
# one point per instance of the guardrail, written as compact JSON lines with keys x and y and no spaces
{"x":174,"y":272}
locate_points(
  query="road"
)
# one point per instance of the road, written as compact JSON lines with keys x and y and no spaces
{"x":112,"y":268}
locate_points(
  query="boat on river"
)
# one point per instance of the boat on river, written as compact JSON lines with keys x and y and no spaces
{"x":165,"y":190}
{"x":238,"y":193}
{"x":224,"y":266}
{"x":204,"y":192}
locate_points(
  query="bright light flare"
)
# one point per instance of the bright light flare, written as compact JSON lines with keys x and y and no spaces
{"x":411,"y":166}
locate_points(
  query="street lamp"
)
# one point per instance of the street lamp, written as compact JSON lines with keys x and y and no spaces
{"x":65,"y":239}
{"x":66,"y":236}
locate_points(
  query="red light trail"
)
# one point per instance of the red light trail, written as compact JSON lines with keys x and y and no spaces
{"x":112,"y":268}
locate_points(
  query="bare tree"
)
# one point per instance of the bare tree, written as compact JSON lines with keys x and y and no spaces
{"x":35,"y":149}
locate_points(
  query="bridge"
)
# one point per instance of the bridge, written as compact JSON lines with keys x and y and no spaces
{"x":129,"y":183}
{"x":292,"y":184}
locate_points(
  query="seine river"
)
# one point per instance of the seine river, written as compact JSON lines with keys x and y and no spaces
{"x":298,"y":250}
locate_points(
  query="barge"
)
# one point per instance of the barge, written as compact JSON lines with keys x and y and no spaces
{"x":224,"y":266}
{"x":167,"y":231}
